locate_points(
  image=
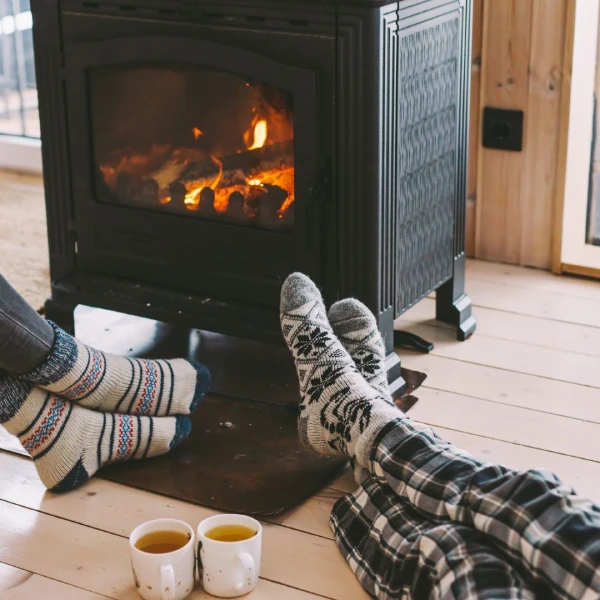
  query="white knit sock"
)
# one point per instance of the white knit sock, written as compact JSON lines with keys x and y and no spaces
{"x":340,"y":412}
{"x":109,"y":383}
{"x":355,"y":326}
{"x":69,"y":443}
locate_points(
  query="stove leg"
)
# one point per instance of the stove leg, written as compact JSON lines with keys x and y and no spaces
{"x":396,"y":382}
{"x":62,"y":314}
{"x":453,"y":306}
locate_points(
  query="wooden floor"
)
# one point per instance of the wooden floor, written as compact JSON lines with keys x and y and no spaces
{"x":523,"y":391}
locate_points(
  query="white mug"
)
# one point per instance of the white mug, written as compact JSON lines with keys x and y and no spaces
{"x":229,"y":569}
{"x":167,"y":576}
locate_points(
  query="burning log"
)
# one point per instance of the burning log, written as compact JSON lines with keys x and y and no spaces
{"x":126,"y":188}
{"x":207,"y":204}
{"x":267,"y":216}
{"x":178,"y":192}
{"x":273,"y":156}
{"x":150,"y":192}
{"x":255,"y":195}
{"x":235,"y":210}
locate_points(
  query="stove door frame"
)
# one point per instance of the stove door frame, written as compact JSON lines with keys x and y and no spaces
{"x":244,"y":263}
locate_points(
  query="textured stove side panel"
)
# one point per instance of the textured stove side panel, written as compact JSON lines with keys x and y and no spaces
{"x":402,"y":110}
{"x":428,"y":171}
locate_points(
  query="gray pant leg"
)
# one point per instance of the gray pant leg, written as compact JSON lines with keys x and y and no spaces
{"x":25,"y":338}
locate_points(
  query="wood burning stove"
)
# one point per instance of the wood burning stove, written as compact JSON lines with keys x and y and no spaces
{"x":196,"y":152}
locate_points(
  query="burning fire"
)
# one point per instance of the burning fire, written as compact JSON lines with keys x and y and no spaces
{"x":194,"y":179}
{"x":258,"y":132}
{"x":192,"y":198}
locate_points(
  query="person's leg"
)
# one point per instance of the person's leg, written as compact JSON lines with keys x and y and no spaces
{"x":396,"y":553}
{"x":531,"y":516}
{"x":69,"y":443}
{"x":538,"y":521}
{"x":110,"y":383}
{"x":339,"y":412}
{"x":25,"y":338}
{"x":42,"y":353}
{"x":355,"y":327}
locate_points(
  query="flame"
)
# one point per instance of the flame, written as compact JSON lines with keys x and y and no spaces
{"x":259,"y":135}
{"x":219,"y":164}
{"x":222,"y":199}
{"x":149,"y":174}
{"x":192,"y":199}
{"x":288,"y":202}
{"x":164,"y":197}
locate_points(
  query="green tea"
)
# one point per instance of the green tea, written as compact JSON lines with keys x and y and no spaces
{"x":162,"y":542}
{"x":230,"y":533}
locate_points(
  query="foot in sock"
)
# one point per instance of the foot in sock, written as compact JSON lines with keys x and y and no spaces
{"x":355,"y":326}
{"x":109,"y":383}
{"x":69,"y":443}
{"x":340,"y":412}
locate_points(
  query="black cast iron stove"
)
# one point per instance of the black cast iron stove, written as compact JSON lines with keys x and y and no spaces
{"x":195,"y":153}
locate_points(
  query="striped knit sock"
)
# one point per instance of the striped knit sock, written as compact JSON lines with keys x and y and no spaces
{"x":109,"y":383}
{"x":340,"y":412}
{"x":69,"y":443}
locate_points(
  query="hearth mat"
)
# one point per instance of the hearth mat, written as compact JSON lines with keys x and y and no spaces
{"x":243,"y":454}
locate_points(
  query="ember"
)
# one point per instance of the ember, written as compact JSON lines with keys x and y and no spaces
{"x":251,"y":183}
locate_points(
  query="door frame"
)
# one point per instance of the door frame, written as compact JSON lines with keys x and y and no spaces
{"x":571,"y":252}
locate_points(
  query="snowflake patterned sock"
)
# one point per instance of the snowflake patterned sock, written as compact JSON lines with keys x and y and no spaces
{"x":69,"y":443}
{"x":340,"y":413}
{"x":356,"y":328}
{"x":109,"y":383}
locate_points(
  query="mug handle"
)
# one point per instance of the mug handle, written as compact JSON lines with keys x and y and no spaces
{"x":167,"y":582}
{"x":248,"y":565}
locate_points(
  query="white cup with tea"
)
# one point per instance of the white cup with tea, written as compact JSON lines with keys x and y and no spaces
{"x":163,"y":559}
{"x":229,"y":555}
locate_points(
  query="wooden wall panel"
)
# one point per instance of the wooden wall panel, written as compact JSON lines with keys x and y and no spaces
{"x":522,"y":48}
{"x":505,"y":84}
{"x":542,"y":130}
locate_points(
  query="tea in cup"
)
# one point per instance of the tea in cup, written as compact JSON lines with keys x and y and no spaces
{"x":163,"y":559}
{"x":229,"y":555}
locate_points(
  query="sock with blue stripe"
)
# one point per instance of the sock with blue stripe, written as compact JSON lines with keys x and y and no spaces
{"x":110,"y":383}
{"x":69,"y":443}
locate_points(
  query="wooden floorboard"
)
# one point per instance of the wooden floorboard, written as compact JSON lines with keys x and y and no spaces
{"x":17,"y":584}
{"x":89,"y":559}
{"x":536,"y":303}
{"x":535,"y":279}
{"x":550,"y":363}
{"x":583,"y":475}
{"x":522,"y":426}
{"x":524,"y":391}
{"x":507,"y":387}
{"x":529,"y":330}
{"x":110,"y":508}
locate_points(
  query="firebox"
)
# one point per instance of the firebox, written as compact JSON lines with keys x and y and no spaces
{"x":196,"y":153}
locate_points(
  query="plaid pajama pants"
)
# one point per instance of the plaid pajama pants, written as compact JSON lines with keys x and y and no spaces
{"x":431,"y":521}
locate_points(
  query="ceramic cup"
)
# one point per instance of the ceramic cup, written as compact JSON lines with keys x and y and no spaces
{"x":167,"y":576}
{"x":229,"y":569}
